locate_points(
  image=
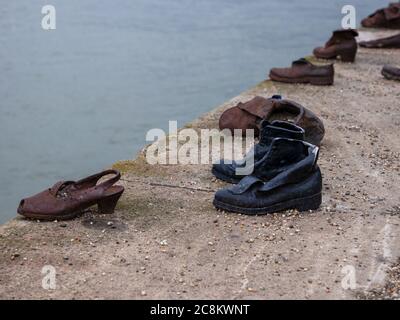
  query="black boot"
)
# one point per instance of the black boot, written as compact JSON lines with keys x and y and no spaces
{"x":269,"y":131}
{"x":284,"y":182}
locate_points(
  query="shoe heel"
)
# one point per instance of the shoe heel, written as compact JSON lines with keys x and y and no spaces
{"x":348,"y":56}
{"x":107,"y":205}
{"x":310,"y":203}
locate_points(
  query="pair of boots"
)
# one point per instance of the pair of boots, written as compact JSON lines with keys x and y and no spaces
{"x":341,"y":45}
{"x":285,"y":174}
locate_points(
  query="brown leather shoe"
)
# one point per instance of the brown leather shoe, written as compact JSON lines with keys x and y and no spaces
{"x":342,"y":44}
{"x":303,"y":71}
{"x":391,"y":73}
{"x":388,"y":17}
{"x":67,"y":199}
{"x":250,"y":114}
{"x":388,"y":42}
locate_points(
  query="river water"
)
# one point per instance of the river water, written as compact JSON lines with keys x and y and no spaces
{"x":76,"y":99}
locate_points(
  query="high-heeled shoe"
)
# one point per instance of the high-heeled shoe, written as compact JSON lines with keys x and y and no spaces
{"x":67,"y":199}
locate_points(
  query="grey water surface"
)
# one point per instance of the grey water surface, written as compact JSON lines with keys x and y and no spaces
{"x":76,"y":99}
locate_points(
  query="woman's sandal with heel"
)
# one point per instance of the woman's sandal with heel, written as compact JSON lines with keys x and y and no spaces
{"x":68,"y":199}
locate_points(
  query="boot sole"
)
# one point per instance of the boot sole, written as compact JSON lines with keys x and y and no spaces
{"x":319,"y":81}
{"x":225,"y":178}
{"x":301,"y":204}
{"x":379,"y":46}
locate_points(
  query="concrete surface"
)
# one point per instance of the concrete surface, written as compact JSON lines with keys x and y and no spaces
{"x":167,"y":241}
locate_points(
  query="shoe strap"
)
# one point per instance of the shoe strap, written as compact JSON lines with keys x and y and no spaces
{"x":88,"y":182}
{"x":91,"y":181}
{"x":245,"y":184}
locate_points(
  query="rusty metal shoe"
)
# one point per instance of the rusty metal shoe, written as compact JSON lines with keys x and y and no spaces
{"x":342,"y":45}
{"x":67,"y":199}
{"x":249,"y":115}
{"x":388,"y":17}
{"x":303,"y":71}
{"x":388,"y":42}
{"x":391,"y":73}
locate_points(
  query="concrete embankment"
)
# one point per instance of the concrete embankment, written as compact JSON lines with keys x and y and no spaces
{"x":167,"y":241}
